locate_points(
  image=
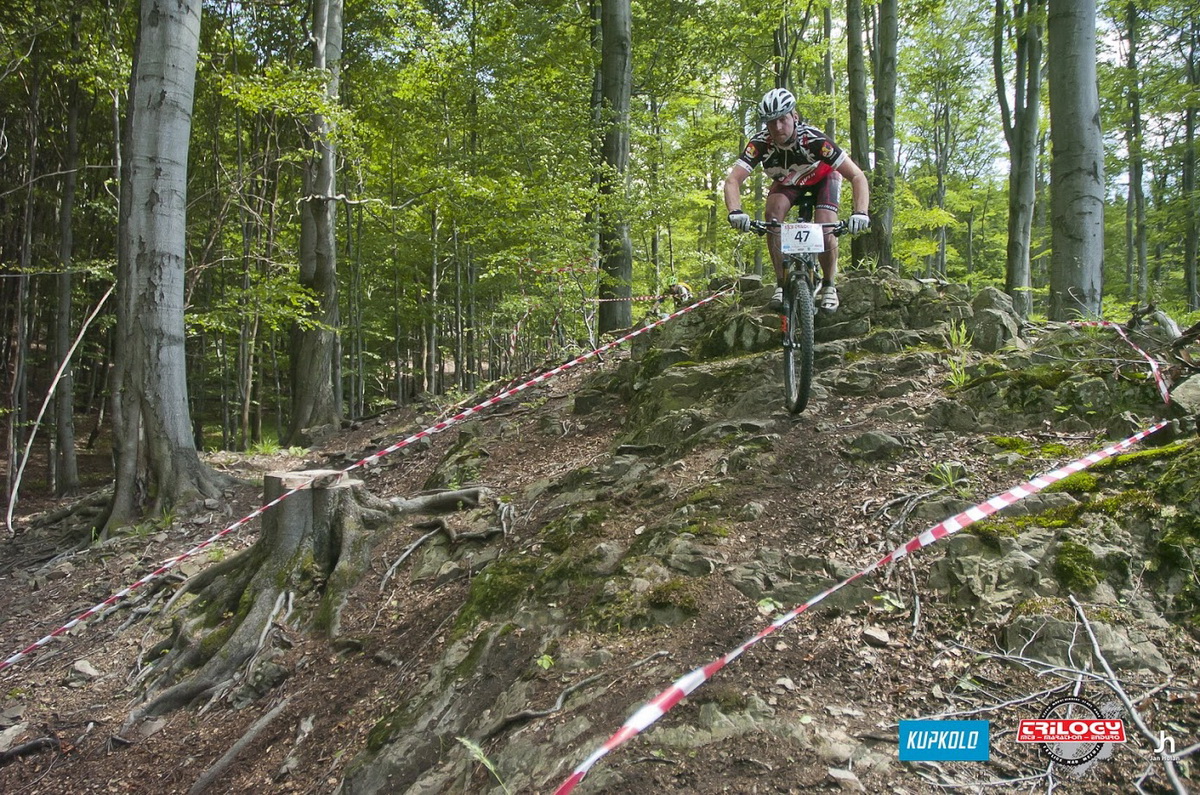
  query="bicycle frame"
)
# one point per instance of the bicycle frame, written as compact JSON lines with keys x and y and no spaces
{"x":801,"y":275}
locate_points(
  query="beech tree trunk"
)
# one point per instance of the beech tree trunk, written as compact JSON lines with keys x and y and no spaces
{"x":314,"y":548}
{"x":1191,"y":243}
{"x":67,"y":466}
{"x":1137,"y":192}
{"x":1021,"y":132}
{"x":314,"y":537}
{"x":616,"y":248}
{"x":860,"y":147}
{"x":883,"y":189}
{"x":154,"y":448}
{"x":1077,"y":162}
{"x":314,"y":344}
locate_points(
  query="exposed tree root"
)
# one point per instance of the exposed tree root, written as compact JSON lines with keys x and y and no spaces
{"x":29,"y":748}
{"x":227,"y":759}
{"x":439,"y":525}
{"x":315,"y":546}
{"x":525,"y":715}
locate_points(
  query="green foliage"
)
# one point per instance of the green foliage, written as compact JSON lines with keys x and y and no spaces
{"x":769,"y":607}
{"x":950,"y":477}
{"x":264,"y":447}
{"x":467,"y":172}
{"x":959,"y":338}
{"x":958,"y":377}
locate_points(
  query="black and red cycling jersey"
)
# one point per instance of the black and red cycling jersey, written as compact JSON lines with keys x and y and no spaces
{"x":809,"y":161}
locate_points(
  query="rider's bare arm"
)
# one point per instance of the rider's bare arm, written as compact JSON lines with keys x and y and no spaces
{"x":733,"y":186}
{"x":859,"y":184}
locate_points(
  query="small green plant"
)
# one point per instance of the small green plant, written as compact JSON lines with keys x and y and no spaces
{"x":868,"y":265}
{"x":481,"y":757}
{"x":958,"y":337}
{"x":264,"y":447}
{"x":958,"y":378}
{"x":768,"y":606}
{"x":887,"y":603}
{"x":155,"y":525}
{"x":949,"y":476}
{"x":545,"y":662}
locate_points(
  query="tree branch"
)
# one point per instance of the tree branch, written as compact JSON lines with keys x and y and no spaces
{"x":1115,"y":685}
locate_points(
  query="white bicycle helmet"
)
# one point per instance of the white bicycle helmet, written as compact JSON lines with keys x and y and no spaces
{"x":777,"y":102}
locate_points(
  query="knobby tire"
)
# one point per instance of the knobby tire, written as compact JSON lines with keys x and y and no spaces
{"x":798,"y":342}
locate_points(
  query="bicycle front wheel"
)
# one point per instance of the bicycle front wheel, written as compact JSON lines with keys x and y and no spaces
{"x":797,"y":343}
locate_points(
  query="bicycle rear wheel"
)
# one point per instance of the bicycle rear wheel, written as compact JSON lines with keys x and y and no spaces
{"x":797,"y":342}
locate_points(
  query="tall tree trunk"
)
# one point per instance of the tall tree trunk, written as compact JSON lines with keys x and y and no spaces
{"x":431,"y":321}
{"x":596,"y":139}
{"x":1039,"y":258}
{"x":1077,"y":162}
{"x":460,"y":371}
{"x":400,"y":356}
{"x":883,"y":191}
{"x":861,"y":246}
{"x":616,"y":249}
{"x":154,"y":445}
{"x":1136,"y":157}
{"x":1021,"y":132}
{"x":314,"y":344}
{"x":1130,"y":244}
{"x":474,"y":358}
{"x":1191,"y":242}
{"x":827,"y":82}
{"x":67,"y":482}
{"x":941,"y":150}
{"x":655,"y":166}
{"x":19,"y":385}
{"x":247,"y":330}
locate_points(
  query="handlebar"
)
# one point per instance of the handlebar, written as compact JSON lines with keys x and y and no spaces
{"x":760,"y":228}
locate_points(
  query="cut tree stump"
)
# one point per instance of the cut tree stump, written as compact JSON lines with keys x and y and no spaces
{"x":314,"y":545}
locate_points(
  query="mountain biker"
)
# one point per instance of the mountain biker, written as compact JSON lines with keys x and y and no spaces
{"x":680,"y":294}
{"x":805,"y":165}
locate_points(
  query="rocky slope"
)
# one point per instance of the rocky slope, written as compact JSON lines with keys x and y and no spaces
{"x":647,"y":515}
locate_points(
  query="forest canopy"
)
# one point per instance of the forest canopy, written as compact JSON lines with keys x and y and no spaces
{"x":416,"y":195}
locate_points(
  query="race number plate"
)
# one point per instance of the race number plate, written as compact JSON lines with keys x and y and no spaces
{"x":802,"y":238}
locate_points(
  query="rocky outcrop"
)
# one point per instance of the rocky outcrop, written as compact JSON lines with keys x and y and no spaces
{"x":631,"y":545}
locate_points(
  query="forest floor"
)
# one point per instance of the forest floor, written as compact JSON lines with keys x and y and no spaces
{"x":857,"y":670}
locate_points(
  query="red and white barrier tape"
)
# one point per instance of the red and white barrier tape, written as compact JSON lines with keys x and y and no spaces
{"x":630,"y":298}
{"x":681,"y":687}
{"x":1155,"y":369}
{"x":170,"y":563}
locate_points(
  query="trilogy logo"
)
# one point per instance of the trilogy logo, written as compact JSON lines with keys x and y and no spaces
{"x":1066,"y":730}
{"x":1073,"y":731}
{"x":944,"y":741}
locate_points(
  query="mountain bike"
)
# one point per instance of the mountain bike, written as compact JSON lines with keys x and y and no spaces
{"x":801,"y":243}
